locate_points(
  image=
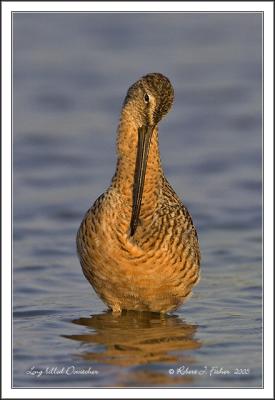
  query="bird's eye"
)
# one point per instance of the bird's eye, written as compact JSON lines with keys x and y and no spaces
{"x":146,"y":98}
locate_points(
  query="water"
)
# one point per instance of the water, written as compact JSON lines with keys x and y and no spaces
{"x":71,"y":72}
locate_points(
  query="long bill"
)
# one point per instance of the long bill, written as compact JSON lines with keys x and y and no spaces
{"x":144,"y":139}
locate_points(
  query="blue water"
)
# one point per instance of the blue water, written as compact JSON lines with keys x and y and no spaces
{"x":70,"y":75}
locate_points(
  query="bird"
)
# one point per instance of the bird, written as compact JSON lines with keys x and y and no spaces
{"x":137,"y":244}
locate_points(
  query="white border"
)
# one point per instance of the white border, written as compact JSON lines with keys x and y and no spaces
{"x":120,"y":6}
{"x":7,"y":8}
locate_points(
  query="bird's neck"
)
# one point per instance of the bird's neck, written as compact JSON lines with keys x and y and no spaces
{"x":127,"y":142}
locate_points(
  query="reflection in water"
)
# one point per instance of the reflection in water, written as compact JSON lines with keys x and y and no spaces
{"x":133,"y":339}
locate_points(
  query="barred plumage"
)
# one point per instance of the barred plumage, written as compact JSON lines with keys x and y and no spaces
{"x":137,"y":244}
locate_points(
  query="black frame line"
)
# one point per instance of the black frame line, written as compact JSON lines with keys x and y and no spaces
{"x":132,"y":12}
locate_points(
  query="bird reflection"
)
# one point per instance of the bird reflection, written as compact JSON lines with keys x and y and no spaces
{"x":135,"y":339}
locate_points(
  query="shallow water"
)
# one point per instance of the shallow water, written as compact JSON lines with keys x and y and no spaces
{"x":71,"y":72}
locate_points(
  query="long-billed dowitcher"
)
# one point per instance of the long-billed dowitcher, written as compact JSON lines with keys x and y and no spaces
{"x":137,"y":244}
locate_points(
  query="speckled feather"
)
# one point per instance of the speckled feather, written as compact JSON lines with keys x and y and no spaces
{"x":156,"y":268}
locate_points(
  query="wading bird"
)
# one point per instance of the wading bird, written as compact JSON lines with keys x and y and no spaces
{"x":137,"y":244}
